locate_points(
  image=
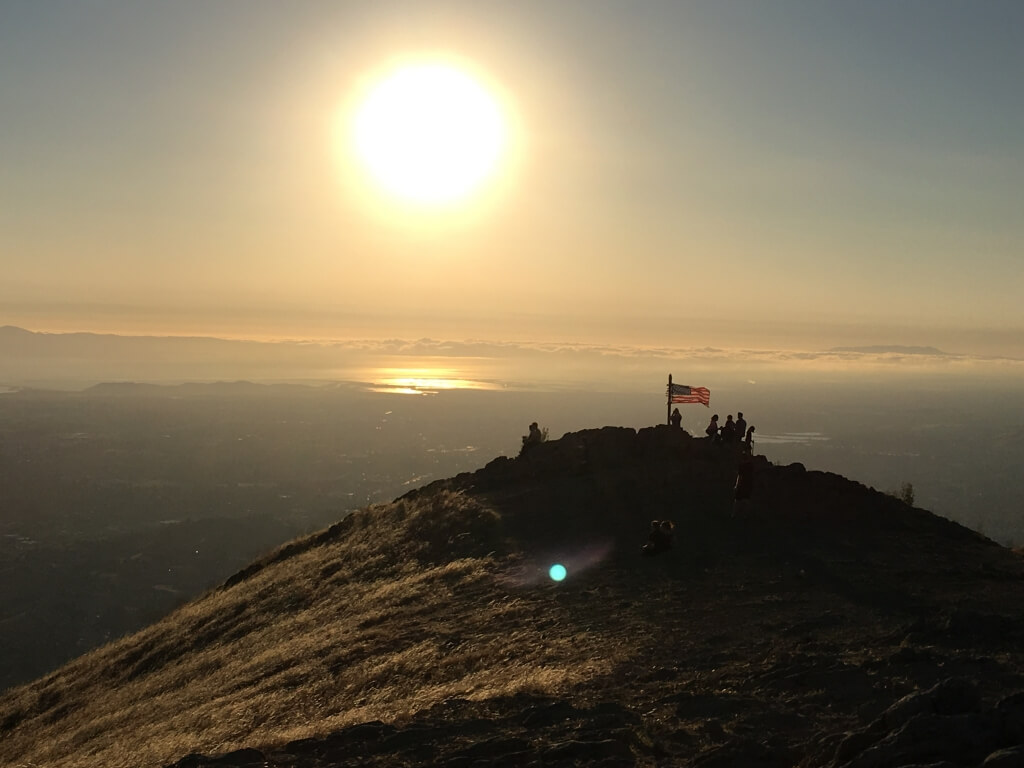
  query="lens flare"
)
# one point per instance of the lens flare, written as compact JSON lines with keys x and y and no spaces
{"x":538,"y":570}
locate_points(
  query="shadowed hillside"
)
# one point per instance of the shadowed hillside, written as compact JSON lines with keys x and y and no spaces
{"x":831,"y":625}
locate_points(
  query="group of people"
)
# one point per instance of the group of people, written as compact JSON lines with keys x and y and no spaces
{"x":731,"y":431}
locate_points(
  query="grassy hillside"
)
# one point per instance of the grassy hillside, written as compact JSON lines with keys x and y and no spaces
{"x":426,"y":631}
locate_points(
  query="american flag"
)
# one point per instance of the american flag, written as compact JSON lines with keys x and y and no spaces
{"x":680,"y":393}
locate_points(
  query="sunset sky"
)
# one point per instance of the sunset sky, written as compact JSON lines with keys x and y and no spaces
{"x":776,"y":174}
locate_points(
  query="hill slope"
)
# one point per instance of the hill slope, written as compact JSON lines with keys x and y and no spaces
{"x":426,"y":632}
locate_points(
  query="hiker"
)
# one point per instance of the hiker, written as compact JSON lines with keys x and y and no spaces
{"x":748,"y":441}
{"x":536,"y":437}
{"x":712,"y":430}
{"x":741,"y":425}
{"x":677,"y":418}
{"x":744,"y":484}
{"x":653,"y":536}
{"x":659,"y":538}
{"x":668,"y":532}
{"x":729,"y":430}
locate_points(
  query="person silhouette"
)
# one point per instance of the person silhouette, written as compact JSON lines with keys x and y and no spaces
{"x":667,"y":534}
{"x":741,"y":425}
{"x":744,"y":484}
{"x":659,"y":538}
{"x":677,"y":418}
{"x":712,"y":428}
{"x":535,"y":437}
{"x":728,"y":430}
{"x":749,"y":439}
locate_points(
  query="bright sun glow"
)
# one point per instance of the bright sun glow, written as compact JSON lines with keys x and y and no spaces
{"x":420,"y":381}
{"x":429,"y":134}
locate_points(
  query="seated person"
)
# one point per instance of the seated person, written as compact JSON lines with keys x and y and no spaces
{"x":659,"y":538}
{"x":535,"y":437}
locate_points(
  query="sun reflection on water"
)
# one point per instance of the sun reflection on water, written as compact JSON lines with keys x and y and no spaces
{"x":423,"y":381}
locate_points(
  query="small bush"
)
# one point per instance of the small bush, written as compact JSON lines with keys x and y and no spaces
{"x":907,"y":494}
{"x":904,"y":494}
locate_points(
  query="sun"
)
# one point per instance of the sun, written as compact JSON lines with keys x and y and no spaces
{"x":429,"y":133}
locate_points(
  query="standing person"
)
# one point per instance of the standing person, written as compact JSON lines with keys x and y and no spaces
{"x":741,"y":425}
{"x":729,"y":430}
{"x":712,"y":429}
{"x":744,"y":484}
{"x":749,"y":439}
{"x":677,"y":418}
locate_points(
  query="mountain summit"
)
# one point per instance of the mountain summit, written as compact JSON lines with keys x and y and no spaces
{"x":828,"y":624}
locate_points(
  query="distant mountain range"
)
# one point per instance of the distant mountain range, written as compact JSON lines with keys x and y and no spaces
{"x":78,"y":360}
{"x":827,"y":624}
{"x":18,"y":341}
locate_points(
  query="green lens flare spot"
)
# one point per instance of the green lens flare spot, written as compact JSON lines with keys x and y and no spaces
{"x":557,"y":572}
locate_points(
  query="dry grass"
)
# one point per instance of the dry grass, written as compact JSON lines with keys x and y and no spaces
{"x":375,"y":625}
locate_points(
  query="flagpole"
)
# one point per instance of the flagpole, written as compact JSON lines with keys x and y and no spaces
{"x":668,"y":405}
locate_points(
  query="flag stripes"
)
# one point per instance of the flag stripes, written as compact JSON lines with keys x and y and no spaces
{"x":680,"y":393}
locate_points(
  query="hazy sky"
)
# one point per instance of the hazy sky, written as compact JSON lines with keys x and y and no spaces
{"x":776,"y":173}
